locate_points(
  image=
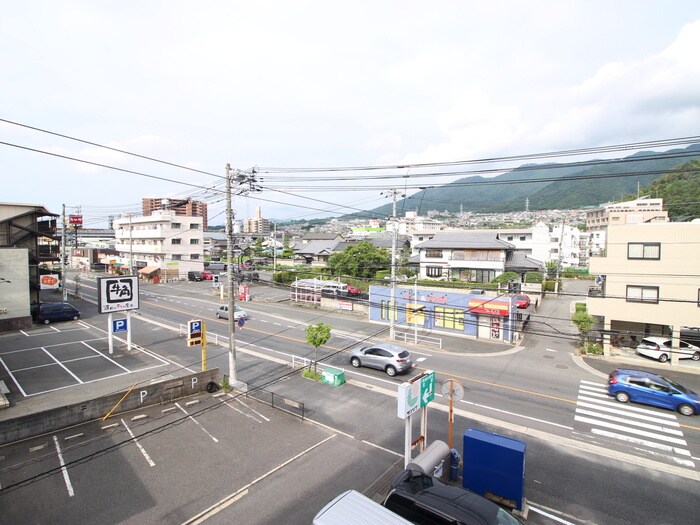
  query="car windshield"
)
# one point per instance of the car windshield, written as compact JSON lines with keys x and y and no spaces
{"x":677,"y":386}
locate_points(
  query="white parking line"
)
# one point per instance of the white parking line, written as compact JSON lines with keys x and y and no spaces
{"x":197,"y":422}
{"x":143,"y":450}
{"x":66,"y":477}
{"x":61,"y":365}
{"x":107,"y":358}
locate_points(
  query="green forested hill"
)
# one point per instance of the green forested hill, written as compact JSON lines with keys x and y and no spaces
{"x":680,"y":190}
{"x":548,"y":186}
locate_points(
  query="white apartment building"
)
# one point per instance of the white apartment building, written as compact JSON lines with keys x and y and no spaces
{"x":649,"y":280}
{"x":559,"y":243}
{"x":173,"y":244}
{"x":413,"y":223}
{"x":638,"y":211}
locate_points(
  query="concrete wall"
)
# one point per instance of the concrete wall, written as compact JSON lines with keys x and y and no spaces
{"x":54,"y":419}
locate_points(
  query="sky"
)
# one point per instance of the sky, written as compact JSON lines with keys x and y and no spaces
{"x":293,"y":89}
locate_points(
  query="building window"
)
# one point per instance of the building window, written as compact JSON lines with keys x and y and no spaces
{"x":522,"y":237}
{"x":434,"y":254}
{"x":449,"y":318}
{"x":384,"y":309}
{"x":176,"y":241}
{"x":177,"y":257}
{"x":433,"y":271}
{"x":176,"y":226}
{"x":644,"y":250}
{"x":194,"y":241}
{"x":194,"y":226}
{"x":643,"y":294}
{"x":194,"y":256}
{"x":510,"y":238}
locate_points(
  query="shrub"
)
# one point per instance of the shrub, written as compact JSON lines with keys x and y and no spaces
{"x":533,"y":277}
{"x":311,"y":374}
{"x":581,"y":307}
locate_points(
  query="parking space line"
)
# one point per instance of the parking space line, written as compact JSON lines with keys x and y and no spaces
{"x":197,"y":422}
{"x":9,"y":372}
{"x":106,"y":357}
{"x":252,"y":410}
{"x":136,"y":442}
{"x":66,"y":477}
{"x":61,"y":365}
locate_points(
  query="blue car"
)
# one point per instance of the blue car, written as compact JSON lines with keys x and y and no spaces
{"x":648,"y":388}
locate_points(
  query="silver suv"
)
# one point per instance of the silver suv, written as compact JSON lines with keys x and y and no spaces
{"x":393,"y":359}
{"x":222,"y":312}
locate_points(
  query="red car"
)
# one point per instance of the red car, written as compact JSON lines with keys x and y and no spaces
{"x":207,"y":276}
{"x":353,"y":291}
{"x":522,"y":301}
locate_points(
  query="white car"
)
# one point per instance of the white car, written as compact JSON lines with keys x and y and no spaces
{"x":660,"y":348}
{"x":222,"y":313}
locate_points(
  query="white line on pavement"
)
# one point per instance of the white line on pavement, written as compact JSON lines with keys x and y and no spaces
{"x":136,"y":441}
{"x":66,"y":477}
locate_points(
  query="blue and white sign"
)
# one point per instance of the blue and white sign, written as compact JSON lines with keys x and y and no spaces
{"x":119,"y":325}
{"x":194,"y":328}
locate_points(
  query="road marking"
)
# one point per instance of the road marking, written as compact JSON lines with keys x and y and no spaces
{"x":514,"y":414}
{"x":59,"y":363}
{"x":66,"y":477}
{"x":197,"y":422}
{"x":136,"y":442}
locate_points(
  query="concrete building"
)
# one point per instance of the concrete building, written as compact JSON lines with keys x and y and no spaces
{"x":162,"y":242}
{"x":257,"y":224}
{"x":185,"y":207}
{"x":27,"y":243}
{"x":649,"y":282}
{"x":638,"y":211}
{"x":413,"y":223}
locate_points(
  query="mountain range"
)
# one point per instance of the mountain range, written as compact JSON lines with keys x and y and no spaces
{"x":546,"y":186}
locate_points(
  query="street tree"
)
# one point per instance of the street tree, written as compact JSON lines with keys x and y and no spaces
{"x":317,"y":335}
{"x":584,"y":322}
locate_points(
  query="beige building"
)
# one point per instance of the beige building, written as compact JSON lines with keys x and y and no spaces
{"x":187,"y":207}
{"x":257,"y":224}
{"x":638,"y":211}
{"x":650,"y":283}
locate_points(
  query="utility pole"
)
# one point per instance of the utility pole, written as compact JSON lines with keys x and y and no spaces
{"x":131,"y":247}
{"x":63,"y":254}
{"x":561,"y":238}
{"x":229,"y":282}
{"x":395,"y":231}
{"x":241,"y":178}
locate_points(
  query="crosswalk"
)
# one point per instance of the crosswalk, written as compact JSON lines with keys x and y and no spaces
{"x":650,"y":431}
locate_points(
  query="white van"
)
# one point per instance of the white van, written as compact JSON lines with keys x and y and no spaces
{"x":353,"y":508}
{"x":335,"y":287}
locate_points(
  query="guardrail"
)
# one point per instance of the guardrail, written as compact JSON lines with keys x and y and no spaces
{"x":412,"y":338}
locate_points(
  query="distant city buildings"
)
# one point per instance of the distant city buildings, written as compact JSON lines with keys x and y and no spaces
{"x":257,"y":224}
{"x":186,"y":207}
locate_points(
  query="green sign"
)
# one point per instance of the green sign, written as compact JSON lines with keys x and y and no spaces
{"x":416,"y":394}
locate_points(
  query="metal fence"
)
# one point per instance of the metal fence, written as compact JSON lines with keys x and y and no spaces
{"x":291,"y":406}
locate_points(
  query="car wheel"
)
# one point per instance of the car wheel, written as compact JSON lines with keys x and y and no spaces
{"x":76,"y":317}
{"x":355,"y":362}
{"x":46,"y":321}
{"x":622,"y":397}
{"x":663,"y":358}
{"x":218,"y":316}
{"x":696,"y":356}
{"x":686,"y":410}
{"x":391,"y":371}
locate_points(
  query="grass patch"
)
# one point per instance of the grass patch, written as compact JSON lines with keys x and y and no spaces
{"x":310,"y":374}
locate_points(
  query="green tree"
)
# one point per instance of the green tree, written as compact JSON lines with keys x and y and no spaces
{"x":584,"y":322}
{"x":287,"y":252}
{"x":317,"y":335}
{"x":363,"y":259}
{"x":258,"y":249}
{"x":506,"y":277}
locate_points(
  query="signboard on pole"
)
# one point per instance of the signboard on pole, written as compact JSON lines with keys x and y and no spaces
{"x":117,"y":294}
{"x":415,"y":394}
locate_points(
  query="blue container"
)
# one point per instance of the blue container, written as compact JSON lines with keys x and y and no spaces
{"x":494,"y":467}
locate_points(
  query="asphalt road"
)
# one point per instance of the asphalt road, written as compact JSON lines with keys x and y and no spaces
{"x":529,"y":393}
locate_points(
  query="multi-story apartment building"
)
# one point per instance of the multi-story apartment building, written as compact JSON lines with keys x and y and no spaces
{"x":257,"y":224}
{"x":649,"y":281}
{"x":559,"y":243}
{"x":638,"y":211}
{"x":186,"y":207}
{"x":163,"y":241}
{"x":413,"y":223}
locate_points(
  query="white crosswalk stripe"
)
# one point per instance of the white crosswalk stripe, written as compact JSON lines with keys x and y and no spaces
{"x":656,"y":433}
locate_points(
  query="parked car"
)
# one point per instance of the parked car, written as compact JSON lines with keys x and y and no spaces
{"x":354,"y":507}
{"x":194,"y":276}
{"x":207,"y":275}
{"x":424,"y":499}
{"x":49,"y":312}
{"x":648,"y":388}
{"x":661,"y":348}
{"x":352,"y":290}
{"x":522,"y":300}
{"x":222,"y":312}
{"x":392,"y":359}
